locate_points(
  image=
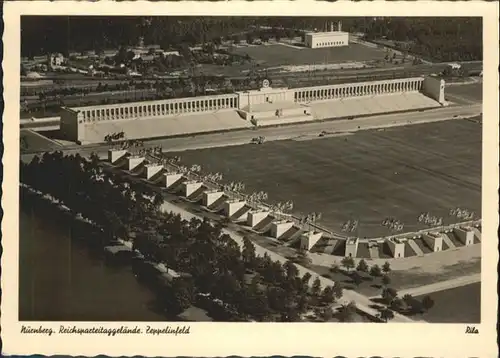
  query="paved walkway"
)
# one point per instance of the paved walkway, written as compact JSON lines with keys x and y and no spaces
{"x":430,"y":263}
{"x":292,"y":131}
{"x":441,"y":286}
{"x":362,"y":302}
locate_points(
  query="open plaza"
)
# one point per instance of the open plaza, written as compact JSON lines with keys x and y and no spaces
{"x":399,"y":172}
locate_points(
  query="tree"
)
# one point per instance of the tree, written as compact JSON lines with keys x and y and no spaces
{"x":328,"y":296}
{"x":249,"y":37}
{"x":303,"y":258}
{"x":397,"y":304}
{"x":389,"y":294}
{"x":334,"y":268}
{"x":291,"y":270}
{"x":408,"y":299}
{"x":326,"y":314}
{"x":248,"y":252}
{"x":362,"y":266}
{"x":386,"y":280}
{"x":306,"y":278}
{"x":316,"y":287}
{"x":386,"y":314}
{"x":338,"y":290}
{"x":182,"y":294}
{"x":356,"y":278}
{"x":427,"y":303}
{"x":375,"y":271}
{"x":386,"y":268}
{"x":302,"y":303}
{"x":158,"y":200}
{"x":348,"y":263}
{"x":346,"y":311}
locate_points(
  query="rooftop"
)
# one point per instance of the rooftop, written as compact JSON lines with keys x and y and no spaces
{"x":328,"y":34}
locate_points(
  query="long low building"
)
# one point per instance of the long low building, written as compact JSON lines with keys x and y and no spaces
{"x":264,"y":107}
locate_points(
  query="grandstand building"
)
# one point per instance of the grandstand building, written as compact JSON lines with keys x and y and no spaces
{"x":264,"y":107}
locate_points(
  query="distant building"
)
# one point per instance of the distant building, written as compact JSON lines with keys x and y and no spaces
{"x":56,"y":59}
{"x":327,"y":39}
{"x":33,"y":75}
{"x":454,"y":66}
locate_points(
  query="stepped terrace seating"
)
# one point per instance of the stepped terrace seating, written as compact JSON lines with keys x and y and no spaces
{"x":167,"y":126}
{"x":369,"y":105}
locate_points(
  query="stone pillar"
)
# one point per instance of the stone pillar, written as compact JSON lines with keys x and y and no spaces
{"x":278,"y":228}
{"x":152,"y":170}
{"x":115,"y":155}
{"x":190,"y":187}
{"x":232,"y":206}
{"x":309,"y":239}
{"x":256,"y":216}
{"x":211,"y":196}
{"x":172,"y":178}
{"x":134,"y":161}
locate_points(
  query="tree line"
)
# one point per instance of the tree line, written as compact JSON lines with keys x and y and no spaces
{"x":451,"y":38}
{"x":218,"y":275}
{"x":390,"y":299}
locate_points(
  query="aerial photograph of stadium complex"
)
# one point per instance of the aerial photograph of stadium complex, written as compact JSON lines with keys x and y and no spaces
{"x":250,"y":169}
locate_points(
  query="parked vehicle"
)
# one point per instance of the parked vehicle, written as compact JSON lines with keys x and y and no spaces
{"x":258,"y":140}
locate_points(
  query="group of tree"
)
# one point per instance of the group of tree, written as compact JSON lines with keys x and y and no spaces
{"x":238,"y":281}
{"x":361,"y":272}
{"x":433,"y":37}
{"x":456,"y":39}
{"x":407,"y":304}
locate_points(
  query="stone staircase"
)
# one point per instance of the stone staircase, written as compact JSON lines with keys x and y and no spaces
{"x":415,"y":247}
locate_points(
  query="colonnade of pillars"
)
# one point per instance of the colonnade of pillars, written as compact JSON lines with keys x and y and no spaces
{"x":168,"y":107}
{"x":352,"y":90}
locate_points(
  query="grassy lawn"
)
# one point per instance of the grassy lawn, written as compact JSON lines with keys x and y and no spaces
{"x":473,"y":92}
{"x":36,"y":142}
{"x":457,"y":305}
{"x":402,"y":279}
{"x":276,"y":55}
{"x":398,"y":172}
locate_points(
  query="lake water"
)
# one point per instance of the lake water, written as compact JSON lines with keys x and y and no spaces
{"x":61,"y":279}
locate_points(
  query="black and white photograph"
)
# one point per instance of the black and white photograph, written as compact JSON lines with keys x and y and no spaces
{"x":180,"y":169}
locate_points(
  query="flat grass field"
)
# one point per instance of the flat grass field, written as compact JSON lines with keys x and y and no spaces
{"x":457,"y":305}
{"x":472,"y":92}
{"x":278,"y":55}
{"x":369,"y":176}
{"x":37,"y":142}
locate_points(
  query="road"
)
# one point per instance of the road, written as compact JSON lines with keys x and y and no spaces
{"x":362,"y":302}
{"x":441,"y":286}
{"x":302,"y":131}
